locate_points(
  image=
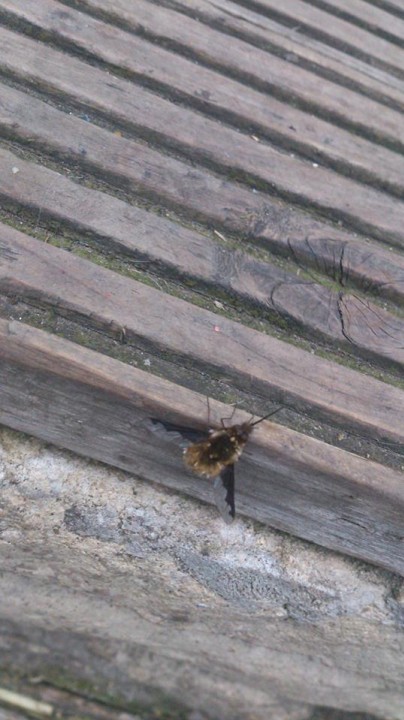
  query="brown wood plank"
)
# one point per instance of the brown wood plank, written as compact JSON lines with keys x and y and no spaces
{"x":292,"y":482}
{"x":255,"y":66}
{"x":273,"y":36}
{"x":223,"y":97}
{"x":353,"y":262}
{"x":337,"y":317}
{"x":200,"y":138}
{"x":183,"y":31}
{"x":370,"y":16}
{"x":196,"y":192}
{"x":336,"y":32}
{"x":39,"y":273}
{"x":214,"y":201}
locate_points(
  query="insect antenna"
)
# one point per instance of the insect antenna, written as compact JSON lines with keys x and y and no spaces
{"x":266,"y":416}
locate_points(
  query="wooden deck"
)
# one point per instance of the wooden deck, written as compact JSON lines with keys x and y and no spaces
{"x":205,"y":198}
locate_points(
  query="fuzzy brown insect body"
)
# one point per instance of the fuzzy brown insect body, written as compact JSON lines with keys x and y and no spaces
{"x":213,"y":456}
{"x":222,"y":448}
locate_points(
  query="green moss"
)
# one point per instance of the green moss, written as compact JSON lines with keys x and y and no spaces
{"x":160,"y":707}
{"x":203,"y":294}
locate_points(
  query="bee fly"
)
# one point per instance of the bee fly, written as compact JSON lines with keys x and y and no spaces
{"x":214,"y":456}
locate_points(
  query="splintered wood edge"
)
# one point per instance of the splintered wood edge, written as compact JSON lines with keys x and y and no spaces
{"x":293,"y":482}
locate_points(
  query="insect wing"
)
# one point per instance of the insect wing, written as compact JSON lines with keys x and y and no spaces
{"x":178,"y":434}
{"x":224,"y":493}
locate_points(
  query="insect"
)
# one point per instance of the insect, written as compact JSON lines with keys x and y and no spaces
{"x":214,"y":455}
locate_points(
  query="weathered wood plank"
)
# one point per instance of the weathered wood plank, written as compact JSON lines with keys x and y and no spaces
{"x":353,"y":262}
{"x":336,"y":32}
{"x":127,"y":228}
{"x":362,"y":207}
{"x":37,"y":272}
{"x":289,"y":481}
{"x":370,"y":16}
{"x":393,"y":6}
{"x":361,"y":326}
{"x":201,"y":137}
{"x":65,"y":566}
{"x":198,"y":193}
{"x":95,"y":623}
{"x":223,"y":97}
{"x":167,"y":25}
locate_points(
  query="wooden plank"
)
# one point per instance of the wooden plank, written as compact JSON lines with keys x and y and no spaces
{"x":39,"y":273}
{"x":362,"y":207}
{"x":197,"y":193}
{"x":270,"y":32}
{"x":183,"y":32}
{"x":222,"y":97}
{"x":353,"y":262}
{"x":394,"y":6}
{"x":126,"y":229}
{"x":336,"y":32}
{"x":289,"y":481}
{"x":369,"y":16}
{"x":256,"y":67}
{"x":342,"y":319}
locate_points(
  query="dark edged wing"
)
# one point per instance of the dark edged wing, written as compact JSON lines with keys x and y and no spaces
{"x":223,"y":490}
{"x":178,"y":434}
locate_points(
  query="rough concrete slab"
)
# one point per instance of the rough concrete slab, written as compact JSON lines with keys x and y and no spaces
{"x":148,"y":597}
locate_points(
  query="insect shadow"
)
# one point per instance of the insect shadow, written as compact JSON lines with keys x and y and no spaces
{"x":213,"y":455}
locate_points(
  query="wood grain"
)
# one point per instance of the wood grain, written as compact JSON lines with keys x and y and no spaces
{"x":203,"y":139}
{"x":221,"y":175}
{"x":336,"y":317}
{"x":50,"y":386}
{"x":39,"y":273}
{"x":289,"y":232}
{"x":217,"y":95}
{"x":372,"y":18}
{"x":336,"y":31}
{"x":242,"y":26}
{"x":35,"y":122}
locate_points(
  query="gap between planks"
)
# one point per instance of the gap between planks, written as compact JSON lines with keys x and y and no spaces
{"x":210,"y":92}
{"x":114,"y":226}
{"x":38,"y":273}
{"x":329,"y":29}
{"x":34,"y":122}
{"x":99,"y":407}
{"x":243,"y":26}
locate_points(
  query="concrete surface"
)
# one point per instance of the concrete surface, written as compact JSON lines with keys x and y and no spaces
{"x":148,"y":597}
